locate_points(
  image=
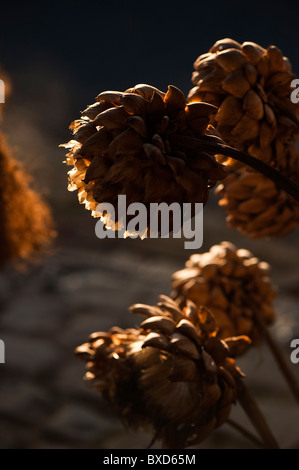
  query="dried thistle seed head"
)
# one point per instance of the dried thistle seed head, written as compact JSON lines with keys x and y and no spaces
{"x":252,"y":87}
{"x":27,"y":228}
{"x":111,"y":371}
{"x":174,"y":374}
{"x":123,"y":145}
{"x":256,"y":206}
{"x":233,"y":284}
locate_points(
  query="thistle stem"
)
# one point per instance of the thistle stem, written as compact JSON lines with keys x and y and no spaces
{"x":245,"y":433}
{"x":255,"y":415}
{"x":279,"y":356}
{"x":217,"y":148}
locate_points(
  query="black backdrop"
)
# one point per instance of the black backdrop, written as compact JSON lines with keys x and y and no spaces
{"x":116,"y":44}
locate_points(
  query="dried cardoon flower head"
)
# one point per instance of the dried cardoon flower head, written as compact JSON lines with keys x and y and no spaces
{"x":124,"y":145}
{"x":174,"y":374}
{"x":252,"y":88}
{"x":233,"y":284}
{"x":26,"y":221}
{"x":255,"y":205}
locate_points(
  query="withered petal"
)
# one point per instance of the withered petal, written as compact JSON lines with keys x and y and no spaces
{"x":110,"y":96}
{"x":237,"y":345}
{"x":96,"y":145}
{"x":127,"y":142}
{"x":147,"y":310}
{"x":146,"y":91}
{"x":174,"y":98}
{"x":180,"y":344}
{"x":112,"y":118}
{"x":156,"y":340}
{"x":134,"y":104}
{"x":156,"y":107}
{"x":160,"y":323}
{"x":197,"y":110}
{"x":154,"y":153}
{"x":97,"y":168}
{"x":138,"y":124}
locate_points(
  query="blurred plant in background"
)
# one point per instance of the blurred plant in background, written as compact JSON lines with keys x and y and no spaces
{"x":27,"y":226}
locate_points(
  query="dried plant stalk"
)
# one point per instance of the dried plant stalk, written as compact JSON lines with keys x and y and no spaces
{"x":255,"y":415}
{"x":280,"y":179}
{"x":278,"y":355}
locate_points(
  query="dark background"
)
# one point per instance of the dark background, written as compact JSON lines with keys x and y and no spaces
{"x":59,"y":56}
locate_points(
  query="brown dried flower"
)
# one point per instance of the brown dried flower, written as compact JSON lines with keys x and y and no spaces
{"x":233,"y":284}
{"x":26,"y":222}
{"x":174,"y":374}
{"x":255,"y":205}
{"x":252,"y":88}
{"x":123,"y":145}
